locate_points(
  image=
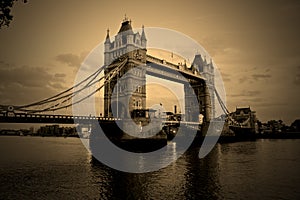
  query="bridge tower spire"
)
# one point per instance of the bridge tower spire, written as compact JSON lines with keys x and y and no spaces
{"x":207,"y":98}
{"x":107,"y":46}
{"x":107,"y":40}
{"x":143,"y":38}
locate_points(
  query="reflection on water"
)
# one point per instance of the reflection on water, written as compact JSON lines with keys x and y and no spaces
{"x":55,"y":168}
{"x":187,"y":178}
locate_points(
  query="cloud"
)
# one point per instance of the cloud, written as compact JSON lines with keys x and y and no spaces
{"x":266,"y":104}
{"x":261,"y":76}
{"x":229,"y":51}
{"x":247,"y":93}
{"x":25,"y":84}
{"x":297,"y":79}
{"x":25,"y":76}
{"x":60,"y":75}
{"x":57,"y":86}
{"x":70,"y":59}
{"x":226,"y":77}
{"x":252,"y":100}
{"x":3,"y":64}
{"x":243,"y":79}
{"x":60,"y":78}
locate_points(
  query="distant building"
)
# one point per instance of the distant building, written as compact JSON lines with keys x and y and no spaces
{"x":295,"y":126}
{"x":55,"y":130}
{"x":243,"y":122}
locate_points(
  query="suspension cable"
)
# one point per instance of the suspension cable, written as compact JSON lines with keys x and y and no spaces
{"x":223,"y":106}
{"x":109,"y":76}
{"x":61,"y":93}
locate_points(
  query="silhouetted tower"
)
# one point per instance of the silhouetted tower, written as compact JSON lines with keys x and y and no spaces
{"x":204,"y":90}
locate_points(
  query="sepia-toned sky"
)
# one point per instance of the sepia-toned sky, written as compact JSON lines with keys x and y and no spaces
{"x":255,"y":45}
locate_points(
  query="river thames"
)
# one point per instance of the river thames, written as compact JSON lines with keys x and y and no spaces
{"x":61,"y":168}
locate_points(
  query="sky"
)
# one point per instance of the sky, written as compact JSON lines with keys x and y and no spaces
{"x":255,"y":45}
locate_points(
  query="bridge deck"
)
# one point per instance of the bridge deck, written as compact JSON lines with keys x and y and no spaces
{"x":67,"y":119}
{"x":52,"y":119}
{"x":168,"y":67}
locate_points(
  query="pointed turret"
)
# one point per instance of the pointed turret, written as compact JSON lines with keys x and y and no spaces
{"x":143,"y":38}
{"x":198,"y":62}
{"x":107,"y":45}
{"x":143,"y":34}
{"x":107,"y":40}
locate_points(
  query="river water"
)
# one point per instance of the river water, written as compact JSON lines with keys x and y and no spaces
{"x":61,"y":168}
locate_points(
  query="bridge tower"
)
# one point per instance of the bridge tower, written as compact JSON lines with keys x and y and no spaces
{"x":131,"y":90}
{"x":204,"y":90}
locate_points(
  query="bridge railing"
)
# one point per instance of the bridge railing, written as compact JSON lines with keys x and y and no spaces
{"x":18,"y":116}
{"x":162,"y":61}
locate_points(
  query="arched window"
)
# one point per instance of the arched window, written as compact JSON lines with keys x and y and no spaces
{"x":133,"y":103}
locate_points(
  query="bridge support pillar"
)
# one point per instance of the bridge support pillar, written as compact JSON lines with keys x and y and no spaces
{"x":208,"y":105}
{"x":204,"y":104}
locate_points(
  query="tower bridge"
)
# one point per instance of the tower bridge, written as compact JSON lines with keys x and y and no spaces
{"x":131,"y":91}
{"x":126,"y":64}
